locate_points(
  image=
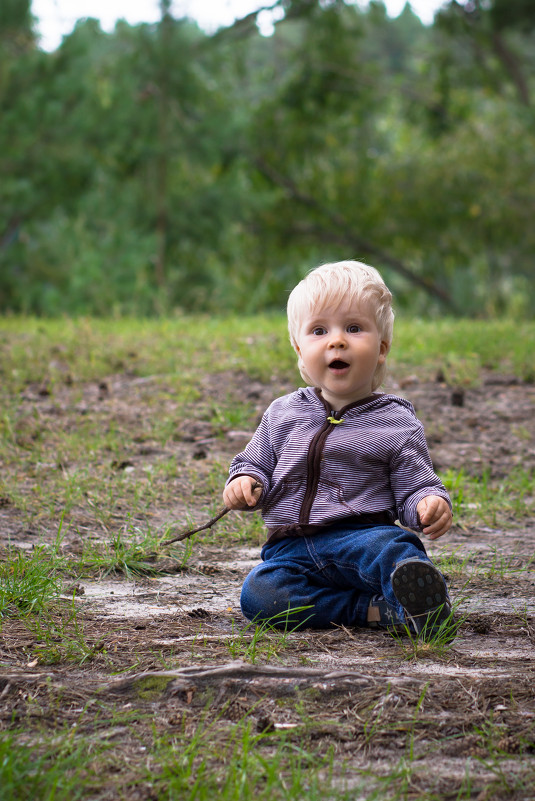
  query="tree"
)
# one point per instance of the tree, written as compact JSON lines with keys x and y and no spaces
{"x":157,"y":167}
{"x":500,"y":33}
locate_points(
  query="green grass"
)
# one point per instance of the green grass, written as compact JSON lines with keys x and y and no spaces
{"x":454,"y":562}
{"x":182,"y":349}
{"x":32,"y":591}
{"x":50,"y":771}
{"x":436,"y":642}
{"x":60,"y":639}
{"x":494,"y":566}
{"x":244,"y":765}
{"x":171,"y":756}
{"x":235,"y":762}
{"x":265,"y":640}
{"x":479,"y":498}
{"x":29,"y":583}
{"x":50,"y":351}
{"x":461,"y":348}
{"x":131,"y":553}
{"x":500,"y":565}
{"x":215,"y":759}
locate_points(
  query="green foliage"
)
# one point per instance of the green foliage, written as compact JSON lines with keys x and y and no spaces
{"x":16,"y":23}
{"x":158,"y":168}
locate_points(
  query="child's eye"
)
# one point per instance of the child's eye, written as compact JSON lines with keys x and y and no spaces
{"x":319,"y":330}
{"x":354,"y":329}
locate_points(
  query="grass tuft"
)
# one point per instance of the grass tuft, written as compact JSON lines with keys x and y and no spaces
{"x":266,"y":639}
{"x":29,"y":583}
{"x":436,"y":642}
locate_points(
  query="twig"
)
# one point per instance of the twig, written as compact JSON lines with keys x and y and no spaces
{"x":211,"y":522}
{"x":186,"y":534}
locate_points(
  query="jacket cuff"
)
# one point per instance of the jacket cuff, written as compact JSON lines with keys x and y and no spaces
{"x":408,"y":513}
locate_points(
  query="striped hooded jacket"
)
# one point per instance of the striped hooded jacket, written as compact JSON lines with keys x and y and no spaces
{"x":369,"y":461}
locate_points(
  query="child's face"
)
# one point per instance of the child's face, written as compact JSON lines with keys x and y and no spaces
{"x":340,"y":348}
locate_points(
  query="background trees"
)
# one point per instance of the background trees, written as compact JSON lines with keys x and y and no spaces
{"x":158,"y":168}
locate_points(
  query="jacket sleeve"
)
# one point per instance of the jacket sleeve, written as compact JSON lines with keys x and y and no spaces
{"x":258,"y":459}
{"x":413,"y":478}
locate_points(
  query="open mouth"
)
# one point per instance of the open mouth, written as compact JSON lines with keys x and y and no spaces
{"x":338,"y":364}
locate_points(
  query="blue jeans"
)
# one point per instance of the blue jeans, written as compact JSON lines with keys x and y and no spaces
{"x":335,"y":573}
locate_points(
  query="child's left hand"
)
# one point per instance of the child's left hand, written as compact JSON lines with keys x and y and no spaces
{"x":435,"y":516}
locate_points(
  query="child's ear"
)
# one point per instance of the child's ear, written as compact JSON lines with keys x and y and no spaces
{"x":383,"y":351}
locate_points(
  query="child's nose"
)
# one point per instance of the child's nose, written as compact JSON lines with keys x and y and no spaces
{"x":337,"y":340}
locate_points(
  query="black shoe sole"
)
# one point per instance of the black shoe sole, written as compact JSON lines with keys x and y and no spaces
{"x":421,"y":590}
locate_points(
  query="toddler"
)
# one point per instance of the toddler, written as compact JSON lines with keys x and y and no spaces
{"x":334,"y":465}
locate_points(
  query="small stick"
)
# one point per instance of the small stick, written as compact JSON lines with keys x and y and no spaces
{"x":222,"y":512}
{"x":193,"y":531}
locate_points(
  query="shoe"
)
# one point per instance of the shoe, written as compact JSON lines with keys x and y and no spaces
{"x":421,"y":590}
{"x":383,"y":616}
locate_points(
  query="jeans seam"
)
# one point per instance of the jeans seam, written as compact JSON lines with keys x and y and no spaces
{"x":309,"y":542}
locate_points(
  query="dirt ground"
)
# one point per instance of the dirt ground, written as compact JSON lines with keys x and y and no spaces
{"x":173,"y":645}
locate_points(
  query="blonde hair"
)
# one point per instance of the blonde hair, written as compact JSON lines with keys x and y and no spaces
{"x":330,"y":285}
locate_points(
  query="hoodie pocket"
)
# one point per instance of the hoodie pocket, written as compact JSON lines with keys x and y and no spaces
{"x":290,"y":491}
{"x":330,"y":494}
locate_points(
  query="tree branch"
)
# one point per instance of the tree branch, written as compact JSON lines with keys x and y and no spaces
{"x":345,"y":232}
{"x":245,"y":25}
{"x":512,"y":66}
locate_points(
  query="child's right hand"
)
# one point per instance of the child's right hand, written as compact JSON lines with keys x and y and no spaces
{"x":243,"y":491}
